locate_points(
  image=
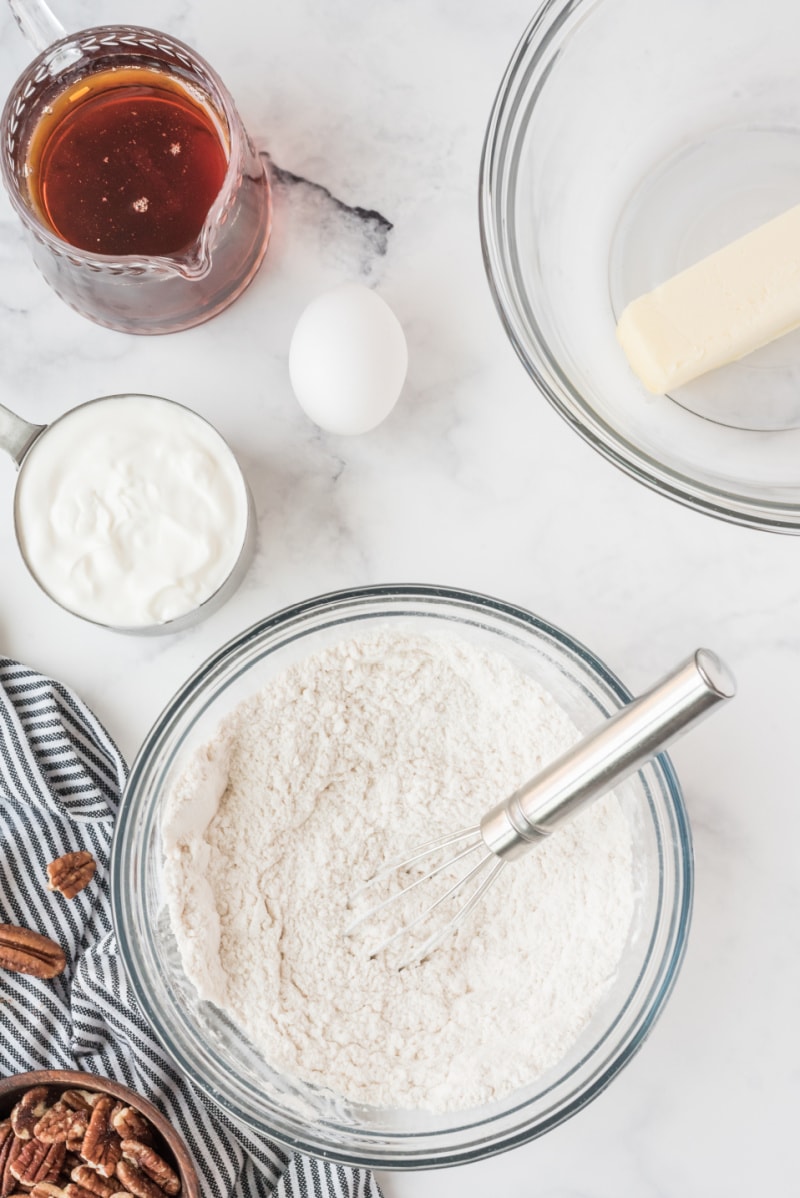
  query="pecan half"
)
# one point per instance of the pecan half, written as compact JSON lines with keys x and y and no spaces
{"x":137,"y":1182}
{"x":72,"y":1190}
{"x":74,"y":1146}
{"x":153,"y":1165}
{"x":24,"y":951}
{"x":90,"y":1179}
{"x":79,"y":1100}
{"x":10,"y":1147}
{"x":71,"y":873}
{"x":102,"y":1147}
{"x":6,"y":1139}
{"x":44,"y":1189}
{"x":62,"y":1124}
{"x":29,"y":1110}
{"x":38,"y":1162}
{"x":131,"y":1125}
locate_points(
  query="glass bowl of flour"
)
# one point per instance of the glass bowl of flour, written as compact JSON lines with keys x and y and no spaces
{"x":303,"y":755}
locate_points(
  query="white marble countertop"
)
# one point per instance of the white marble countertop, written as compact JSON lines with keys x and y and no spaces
{"x":475,"y":482}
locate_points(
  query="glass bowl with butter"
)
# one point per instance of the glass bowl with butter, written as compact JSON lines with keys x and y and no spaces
{"x":207,"y":1042}
{"x":130,"y":511}
{"x":629,"y":141}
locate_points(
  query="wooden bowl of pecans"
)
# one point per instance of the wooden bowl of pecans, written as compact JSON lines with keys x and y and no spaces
{"x":65,"y":1134}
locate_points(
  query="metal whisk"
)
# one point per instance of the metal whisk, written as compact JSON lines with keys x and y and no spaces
{"x":591,"y":768}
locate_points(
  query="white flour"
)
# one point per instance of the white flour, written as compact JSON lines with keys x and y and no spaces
{"x":337,"y":766}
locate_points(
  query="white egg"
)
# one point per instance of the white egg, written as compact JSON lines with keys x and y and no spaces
{"x":348,"y":359}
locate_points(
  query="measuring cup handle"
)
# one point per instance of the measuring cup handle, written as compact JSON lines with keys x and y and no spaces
{"x":618,"y":747}
{"x":17,"y":435}
{"x":38,"y":25}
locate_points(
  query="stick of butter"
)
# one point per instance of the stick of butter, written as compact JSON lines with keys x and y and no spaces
{"x":736,"y":300}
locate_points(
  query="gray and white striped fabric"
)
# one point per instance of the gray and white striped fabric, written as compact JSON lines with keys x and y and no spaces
{"x":61,"y":777}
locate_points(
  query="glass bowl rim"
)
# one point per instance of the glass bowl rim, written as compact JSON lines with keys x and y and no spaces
{"x":497,"y":152}
{"x":668,"y":965}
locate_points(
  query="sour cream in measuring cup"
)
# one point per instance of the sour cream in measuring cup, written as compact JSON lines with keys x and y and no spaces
{"x":131,"y":511}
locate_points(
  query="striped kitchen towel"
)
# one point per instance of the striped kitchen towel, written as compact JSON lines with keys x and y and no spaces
{"x":61,"y":777}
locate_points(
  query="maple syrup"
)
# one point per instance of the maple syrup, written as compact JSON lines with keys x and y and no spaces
{"x":126,"y":161}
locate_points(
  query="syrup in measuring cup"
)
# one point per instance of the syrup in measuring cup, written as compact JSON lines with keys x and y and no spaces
{"x":126,"y":161}
{"x":146,"y":205}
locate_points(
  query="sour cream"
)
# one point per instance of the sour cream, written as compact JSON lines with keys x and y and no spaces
{"x":131,"y":510}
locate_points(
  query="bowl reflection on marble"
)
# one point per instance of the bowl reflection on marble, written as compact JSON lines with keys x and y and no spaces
{"x":217,"y":1057}
{"x":628,"y":140}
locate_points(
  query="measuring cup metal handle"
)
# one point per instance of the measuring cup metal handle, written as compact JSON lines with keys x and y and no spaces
{"x":38,"y":25}
{"x":635,"y":734}
{"x":17,"y":435}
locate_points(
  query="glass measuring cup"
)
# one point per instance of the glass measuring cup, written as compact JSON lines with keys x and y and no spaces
{"x":136,"y":293}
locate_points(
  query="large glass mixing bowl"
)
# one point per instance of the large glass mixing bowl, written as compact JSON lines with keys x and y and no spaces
{"x":629,"y":139}
{"x":218,"y":1058}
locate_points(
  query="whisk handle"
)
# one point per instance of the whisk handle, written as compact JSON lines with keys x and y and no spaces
{"x":624,"y":742}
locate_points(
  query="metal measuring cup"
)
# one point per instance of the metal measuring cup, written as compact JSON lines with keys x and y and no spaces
{"x":17,"y":438}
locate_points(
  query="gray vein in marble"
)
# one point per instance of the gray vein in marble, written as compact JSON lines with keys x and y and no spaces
{"x":376,"y":226}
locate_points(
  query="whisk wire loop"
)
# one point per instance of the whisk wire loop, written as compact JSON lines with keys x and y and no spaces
{"x":434,"y":906}
{"x":404,"y":864}
{"x":488,"y":859}
{"x":436,"y":939}
{"x":420,"y":852}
